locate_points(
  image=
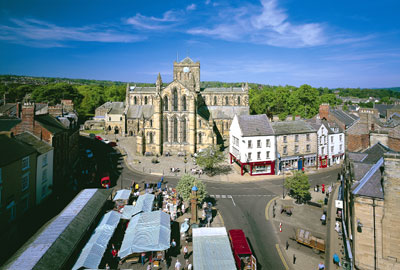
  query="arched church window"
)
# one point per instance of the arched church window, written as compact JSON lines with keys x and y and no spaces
{"x":184,"y":103}
{"x":215,"y":100}
{"x":239,"y":100}
{"x":151,"y":123}
{"x":175,"y":129}
{"x":134,"y":100}
{"x":226,"y":101}
{"x":175,"y":99}
{"x":145,"y":100}
{"x":151,"y":137}
{"x":165,"y":103}
{"x":165,"y":129}
{"x":200,"y":138}
{"x":184,"y":130}
{"x":199,"y":123}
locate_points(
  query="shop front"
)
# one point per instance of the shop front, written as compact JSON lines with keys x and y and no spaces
{"x":323,"y":161}
{"x":255,"y":168}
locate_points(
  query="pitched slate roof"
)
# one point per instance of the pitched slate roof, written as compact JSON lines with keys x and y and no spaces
{"x":143,"y":89}
{"x":187,"y":60}
{"x":370,"y":184}
{"x":8,"y":107}
{"x":7,"y":123}
{"x":13,"y":150}
{"x":346,"y":118}
{"x":223,"y":89}
{"x":116,"y":108}
{"x":255,"y":125}
{"x":137,"y":111}
{"x":222,"y":112}
{"x":375,"y":152}
{"x":50,"y":123}
{"x":30,"y":139}
{"x":382,"y":108}
{"x":292,"y":127}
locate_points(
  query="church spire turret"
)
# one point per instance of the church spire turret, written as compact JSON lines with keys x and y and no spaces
{"x":159,"y":83}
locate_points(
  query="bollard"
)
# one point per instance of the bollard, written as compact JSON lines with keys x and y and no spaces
{"x":294,"y":258}
{"x":287,"y":245}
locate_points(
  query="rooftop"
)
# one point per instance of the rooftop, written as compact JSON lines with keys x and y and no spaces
{"x":346,"y":118}
{"x":255,"y":125}
{"x":139,"y":111}
{"x":30,"y":139}
{"x":50,"y":123}
{"x":222,"y":112}
{"x":292,"y":127}
{"x":7,"y":123}
{"x":13,"y":150}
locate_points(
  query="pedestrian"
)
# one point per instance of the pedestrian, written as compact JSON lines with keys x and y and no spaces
{"x":173,"y":243}
{"x":114,"y":251}
{"x":321,"y":266}
{"x":189,"y":267}
{"x":323,"y":188}
{"x":287,"y":244}
{"x":162,"y":179}
{"x":143,"y":257}
{"x":329,"y":189}
{"x":185,"y":252}
{"x":107,"y":266}
{"x":149,"y":267}
{"x":183,"y":209}
{"x":136,"y":187}
{"x":177,"y":265}
{"x":294,"y":258}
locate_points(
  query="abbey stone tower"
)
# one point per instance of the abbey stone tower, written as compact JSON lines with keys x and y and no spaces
{"x":181,"y":117}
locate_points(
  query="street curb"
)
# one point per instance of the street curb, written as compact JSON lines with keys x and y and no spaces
{"x":281,"y":254}
{"x":268,"y":206}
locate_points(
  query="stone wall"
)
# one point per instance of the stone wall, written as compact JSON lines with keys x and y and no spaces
{"x":391,"y":219}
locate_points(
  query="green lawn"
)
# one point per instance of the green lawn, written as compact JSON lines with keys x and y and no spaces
{"x":97,"y":131}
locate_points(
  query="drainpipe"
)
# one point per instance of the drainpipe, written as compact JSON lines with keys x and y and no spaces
{"x":373,"y":207}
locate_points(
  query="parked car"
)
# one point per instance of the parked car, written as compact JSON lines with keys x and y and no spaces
{"x":105,"y":182}
{"x":106,"y":141}
{"x":99,"y":138}
{"x":89,"y":153}
{"x":113,"y":144}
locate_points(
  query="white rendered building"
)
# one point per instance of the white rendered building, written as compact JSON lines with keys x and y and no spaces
{"x":252,"y":144}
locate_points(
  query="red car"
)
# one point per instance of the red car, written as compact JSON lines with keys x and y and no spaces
{"x":113,"y":144}
{"x":99,"y":138}
{"x":105,"y":182}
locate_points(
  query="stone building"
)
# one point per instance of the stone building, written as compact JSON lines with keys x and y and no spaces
{"x":296,"y":144}
{"x":371,"y":212}
{"x":181,"y":117}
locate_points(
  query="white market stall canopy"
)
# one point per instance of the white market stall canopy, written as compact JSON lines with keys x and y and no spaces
{"x":122,"y":194}
{"x":143,"y":204}
{"x":94,"y":249}
{"x":149,"y":231}
{"x":211,"y":249}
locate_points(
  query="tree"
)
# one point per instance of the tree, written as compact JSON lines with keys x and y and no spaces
{"x":209,"y":158}
{"x":298,"y":185}
{"x":185,"y":185}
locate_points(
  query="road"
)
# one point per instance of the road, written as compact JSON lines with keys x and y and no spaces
{"x":241,"y":206}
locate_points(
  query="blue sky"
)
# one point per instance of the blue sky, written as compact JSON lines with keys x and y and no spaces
{"x":323,"y":43}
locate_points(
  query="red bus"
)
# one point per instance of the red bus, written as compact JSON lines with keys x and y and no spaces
{"x":241,"y":251}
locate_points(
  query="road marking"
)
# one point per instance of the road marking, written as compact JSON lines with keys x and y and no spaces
{"x":223,"y":196}
{"x":233,"y":201}
{"x":281,"y":255}
{"x":267,"y":207}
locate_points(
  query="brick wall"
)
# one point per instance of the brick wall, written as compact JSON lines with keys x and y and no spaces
{"x":357,"y":142}
{"x":324,"y":111}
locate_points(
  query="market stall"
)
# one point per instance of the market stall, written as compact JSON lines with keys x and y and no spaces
{"x":147,"y":232}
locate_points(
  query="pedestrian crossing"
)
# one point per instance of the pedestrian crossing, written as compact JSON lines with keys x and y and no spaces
{"x":217,"y":196}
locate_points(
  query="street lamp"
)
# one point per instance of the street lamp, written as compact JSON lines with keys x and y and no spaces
{"x":283,"y":183}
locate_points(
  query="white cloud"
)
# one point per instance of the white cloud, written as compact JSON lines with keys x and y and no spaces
{"x":32,"y":32}
{"x":271,"y":27}
{"x":191,"y":7}
{"x":153,"y":23}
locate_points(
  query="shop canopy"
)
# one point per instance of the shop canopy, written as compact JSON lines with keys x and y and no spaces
{"x":149,"y":231}
{"x":143,"y":204}
{"x":211,"y":249}
{"x":93,"y":251}
{"x":122,"y":194}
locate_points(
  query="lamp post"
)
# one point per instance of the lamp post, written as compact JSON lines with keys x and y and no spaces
{"x":283,"y":183}
{"x":193,"y":203}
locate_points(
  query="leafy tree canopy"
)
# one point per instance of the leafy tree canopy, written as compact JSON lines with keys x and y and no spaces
{"x":210,"y":158}
{"x":185,"y":185}
{"x":298,"y":185}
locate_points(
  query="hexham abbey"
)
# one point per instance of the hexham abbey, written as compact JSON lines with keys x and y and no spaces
{"x":180,"y":118}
